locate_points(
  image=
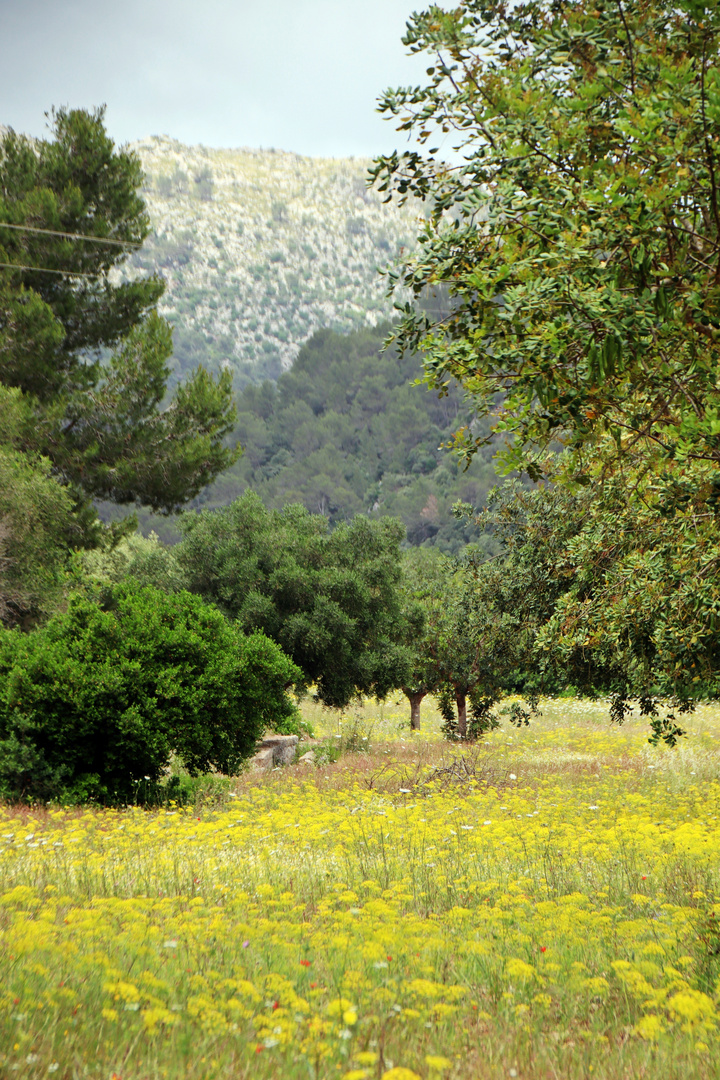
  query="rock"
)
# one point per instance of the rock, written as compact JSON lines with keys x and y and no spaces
{"x":263,"y":760}
{"x":275,"y":750}
{"x":283,"y":748}
{"x":307,"y":759}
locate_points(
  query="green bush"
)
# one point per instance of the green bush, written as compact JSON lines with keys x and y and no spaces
{"x":142,"y":559}
{"x":96,"y":701}
{"x":37,"y":527}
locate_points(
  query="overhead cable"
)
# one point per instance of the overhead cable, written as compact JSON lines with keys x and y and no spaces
{"x":47,"y":270}
{"x":72,"y":236}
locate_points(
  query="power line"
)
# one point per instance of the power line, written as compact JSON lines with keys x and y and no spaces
{"x":71,"y":235}
{"x":47,"y":270}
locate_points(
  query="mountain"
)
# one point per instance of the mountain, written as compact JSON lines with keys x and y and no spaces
{"x":271,"y":263}
{"x":260,"y":248}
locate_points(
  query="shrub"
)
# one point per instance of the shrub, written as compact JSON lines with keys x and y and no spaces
{"x":36,"y":528}
{"x":98,"y":699}
{"x":142,"y":559}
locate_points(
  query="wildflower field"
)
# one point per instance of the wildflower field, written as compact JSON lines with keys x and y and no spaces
{"x":543,"y":905}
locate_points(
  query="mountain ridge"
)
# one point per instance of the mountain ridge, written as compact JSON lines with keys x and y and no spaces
{"x":260,"y":248}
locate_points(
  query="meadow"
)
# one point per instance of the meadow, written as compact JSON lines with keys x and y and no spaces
{"x":542,"y":905}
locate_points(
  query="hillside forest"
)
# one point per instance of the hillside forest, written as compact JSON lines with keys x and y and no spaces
{"x":258,"y":249}
{"x":348,"y":430}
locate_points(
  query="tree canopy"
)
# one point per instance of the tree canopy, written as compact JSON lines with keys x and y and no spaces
{"x":345,"y":431}
{"x":37,"y":527}
{"x":330,"y":599}
{"x":579,"y":238}
{"x":88,"y":352}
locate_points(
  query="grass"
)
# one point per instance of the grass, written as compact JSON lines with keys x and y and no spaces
{"x":543,"y":905}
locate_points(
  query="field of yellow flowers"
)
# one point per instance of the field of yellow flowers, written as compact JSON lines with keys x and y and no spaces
{"x":545,"y":905}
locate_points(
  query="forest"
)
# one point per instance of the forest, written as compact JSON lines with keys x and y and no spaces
{"x":348,"y":431}
{"x":258,"y":249}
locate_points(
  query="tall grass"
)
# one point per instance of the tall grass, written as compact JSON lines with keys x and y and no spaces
{"x":542,"y":905}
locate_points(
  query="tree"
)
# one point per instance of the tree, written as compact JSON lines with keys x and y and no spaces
{"x":142,"y":559}
{"x":103,"y":694}
{"x":599,"y":595}
{"x":424,"y":587}
{"x":331,"y":600}
{"x":469,"y":653}
{"x":580,"y":236}
{"x":89,"y":353}
{"x":36,"y":528}
{"x":37,"y":525}
{"x":456,"y":652}
{"x":628,"y":598}
{"x":522,"y":587}
{"x":579,"y":239}
{"x":466,"y":636}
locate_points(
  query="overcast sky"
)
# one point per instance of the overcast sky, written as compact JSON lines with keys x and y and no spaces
{"x":300,"y":75}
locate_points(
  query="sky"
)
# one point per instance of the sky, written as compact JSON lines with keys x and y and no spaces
{"x":297,"y":75}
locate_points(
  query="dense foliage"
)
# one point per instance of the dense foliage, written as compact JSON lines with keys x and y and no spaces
{"x":330,"y":599}
{"x":609,"y":597}
{"x":347,"y":431}
{"x":100,"y":697}
{"x":37,"y":526}
{"x":142,"y":559}
{"x":579,"y":238}
{"x":261,"y":248}
{"x":442,"y":621}
{"x":472,"y":625}
{"x":90,"y":355}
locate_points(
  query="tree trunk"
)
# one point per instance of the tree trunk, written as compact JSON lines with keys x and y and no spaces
{"x":415,"y":700}
{"x":462,"y":714}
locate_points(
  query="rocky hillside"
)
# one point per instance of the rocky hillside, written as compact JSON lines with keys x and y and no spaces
{"x":260,"y":248}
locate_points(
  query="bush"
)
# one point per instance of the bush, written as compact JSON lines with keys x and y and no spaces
{"x":37,"y":526}
{"x":97,"y":700}
{"x":142,"y":559}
